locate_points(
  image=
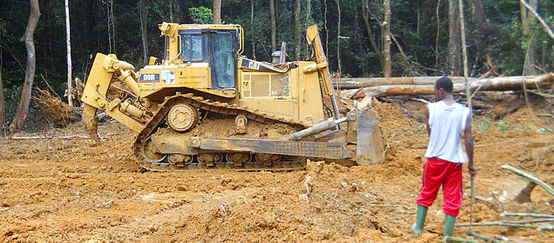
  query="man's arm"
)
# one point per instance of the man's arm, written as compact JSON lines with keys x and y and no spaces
{"x":426,"y":112}
{"x":468,"y":145}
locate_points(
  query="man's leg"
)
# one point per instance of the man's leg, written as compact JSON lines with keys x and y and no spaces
{"x":453,"y":193}
{"x":433,"y":177}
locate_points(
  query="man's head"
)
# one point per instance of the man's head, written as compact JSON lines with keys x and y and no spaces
{"x":443,"y":86}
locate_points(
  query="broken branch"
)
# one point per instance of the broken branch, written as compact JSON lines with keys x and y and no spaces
{"x":530,"y":177}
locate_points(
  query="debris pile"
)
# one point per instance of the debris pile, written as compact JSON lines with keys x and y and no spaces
{"x":57,"y":111}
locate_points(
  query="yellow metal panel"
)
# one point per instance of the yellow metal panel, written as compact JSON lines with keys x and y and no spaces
{"x":194,"y":76}
{"x":98,"y":82}
{"x":309,"y":96}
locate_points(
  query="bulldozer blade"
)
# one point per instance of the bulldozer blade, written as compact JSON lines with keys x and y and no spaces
{"x":370,"y":146}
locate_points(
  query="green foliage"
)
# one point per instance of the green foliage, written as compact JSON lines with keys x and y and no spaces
{"x":503,"y":125}
{"x":484,"y":125}
{"x":201,"y":15}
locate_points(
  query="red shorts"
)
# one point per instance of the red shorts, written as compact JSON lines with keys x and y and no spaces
{"x":437,"y":172}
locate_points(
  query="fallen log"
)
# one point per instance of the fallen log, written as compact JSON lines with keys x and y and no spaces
{"x":352,"y":83}
{"x":504,"y":238}
{"x":488,"y":84}
{"x":509,"y":223}
{"x":530,"y":177}
{"x":458,"y":239}
{"x":49,"y":137}
{"x":534,"y":215}
{"x":482,"y":237}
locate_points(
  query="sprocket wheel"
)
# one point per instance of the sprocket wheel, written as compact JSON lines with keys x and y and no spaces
{"x":182,"y":117}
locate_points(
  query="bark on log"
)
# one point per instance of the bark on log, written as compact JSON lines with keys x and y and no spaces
{"x":352,"y":83}
{"x":488,"y":84}
{"x":534,"y":215}
{"x":509,"y":223}
{"x":530,"y":177}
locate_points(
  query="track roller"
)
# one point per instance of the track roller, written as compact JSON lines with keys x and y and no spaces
{"x":239,"y":159}
{"x":210,"y":158}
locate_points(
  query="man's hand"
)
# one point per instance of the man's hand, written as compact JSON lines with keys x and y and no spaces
{"x":472,"y":170}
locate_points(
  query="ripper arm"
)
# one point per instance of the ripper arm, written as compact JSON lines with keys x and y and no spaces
{"x":95,"y":94}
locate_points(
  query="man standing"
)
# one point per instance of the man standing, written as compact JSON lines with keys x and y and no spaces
{"x":448,"y":126}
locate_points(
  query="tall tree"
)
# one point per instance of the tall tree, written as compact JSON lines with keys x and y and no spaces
{"x":387,"y":40}
{"x":174,"y":11}
{"x":453,"y":38}
{"x":338,"y":38}
{"x":273,"y":25}
{"x":252,"y":29}
{"x":462,"y":27}
{"x":297,"y":30}
{"x":143,"y":15}
{"x":2,"y":104}
{"x":68,"y":43}
{"x":307,"y":21}
{"x":528,"y":65}
{"x":365,"y":15}
{"x":23,"y":107}
{"x":217,"y":11}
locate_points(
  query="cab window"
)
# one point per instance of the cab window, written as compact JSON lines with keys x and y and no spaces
{"x":191,"y":48}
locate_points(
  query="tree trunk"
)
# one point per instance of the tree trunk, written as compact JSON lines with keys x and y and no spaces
{"x":170,"y":11}
{"x":365,"y":15}
{"x":2,"y":104}
{"x":143,"y":14}
{"x":307,"y":22}
{"x":464,"y":49}
{"x":453,"y":36}
{"x":528,"y":66}
{"x":338,"y":38}
{"x":533,"y":10}
{"x":273,"y":26}
{"x":68,"y":39}
{"x":326,"y":29}
{"x":297,"y":30}
{"x":355,"y":83}
{"x":437,"y":53}
{"x":217,"y":11}
{"x":387,"y":40}
{"x":524,"y":18}
{"x":252,"y":29}
{"x":23,"y":106}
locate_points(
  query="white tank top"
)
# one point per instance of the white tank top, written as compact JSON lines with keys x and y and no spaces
{"x":447,"y":125}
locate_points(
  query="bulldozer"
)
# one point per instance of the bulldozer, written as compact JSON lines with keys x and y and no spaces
{"x":206,"y":106}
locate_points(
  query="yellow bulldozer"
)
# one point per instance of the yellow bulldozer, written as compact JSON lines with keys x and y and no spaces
{"x":205,"y":106}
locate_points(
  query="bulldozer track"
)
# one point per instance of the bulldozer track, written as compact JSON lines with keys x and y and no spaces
{"x":157,"y":119}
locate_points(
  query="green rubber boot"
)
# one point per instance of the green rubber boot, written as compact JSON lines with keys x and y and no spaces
{"x":420,"y":220}
{"x":449,"y":222}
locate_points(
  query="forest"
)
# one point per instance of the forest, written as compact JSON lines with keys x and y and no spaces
{"x":503,"y":37}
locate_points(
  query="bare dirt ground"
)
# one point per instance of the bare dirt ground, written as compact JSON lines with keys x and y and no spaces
{"x":75,"y":190}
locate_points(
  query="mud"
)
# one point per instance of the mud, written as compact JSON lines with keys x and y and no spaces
{"x":76,"y":190}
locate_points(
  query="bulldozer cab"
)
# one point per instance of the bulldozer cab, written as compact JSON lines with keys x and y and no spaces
{"x":217,"y":45}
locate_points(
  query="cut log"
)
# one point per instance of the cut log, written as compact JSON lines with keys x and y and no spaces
{"x":482,"y":237}
{"x":534,"y":215}
{"x":488,"y":84}
{"x":509,"y":223}
{"x":530,"y":177}
{"x":458,"y":239}
{"x":352,"y":83}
